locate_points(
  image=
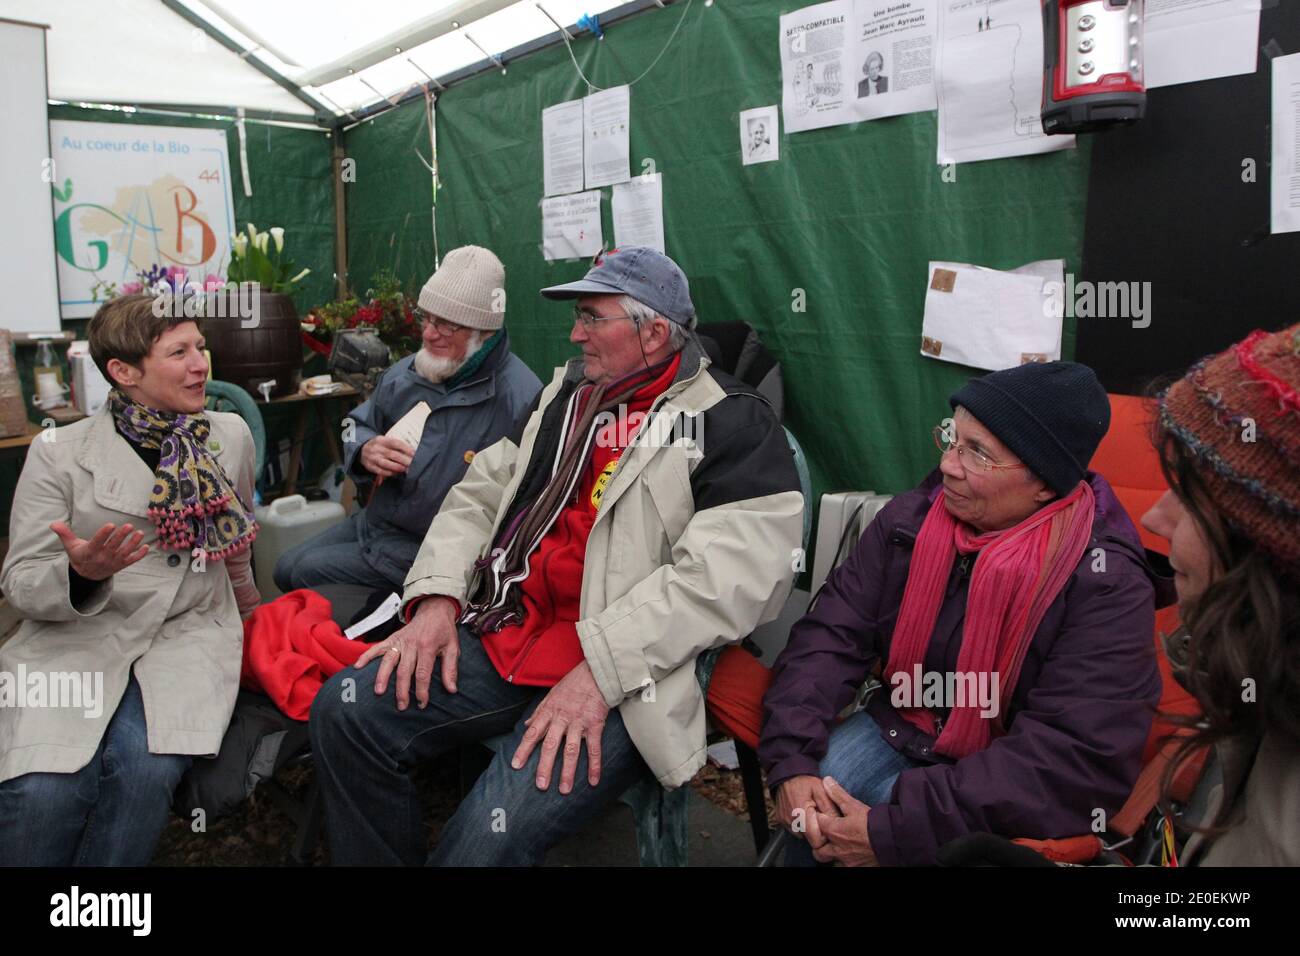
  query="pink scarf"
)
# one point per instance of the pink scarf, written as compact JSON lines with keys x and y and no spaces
{"x":1019,"y":573}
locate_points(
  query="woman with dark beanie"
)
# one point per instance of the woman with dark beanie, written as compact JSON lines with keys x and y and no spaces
{"x":1008,"y":607}
{"x":1229,"y":433}
{"x":129,"y":563}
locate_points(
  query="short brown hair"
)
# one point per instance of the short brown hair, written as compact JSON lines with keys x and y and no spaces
{"x":126,"y":328}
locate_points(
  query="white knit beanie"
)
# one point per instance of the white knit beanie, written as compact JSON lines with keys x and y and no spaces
{"x":468,"y":289}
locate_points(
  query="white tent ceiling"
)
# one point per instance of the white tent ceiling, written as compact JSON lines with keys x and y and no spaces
{"x":343,"y":55}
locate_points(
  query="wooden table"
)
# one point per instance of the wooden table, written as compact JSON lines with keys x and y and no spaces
{"x":62,"y":416}
{"x":305,"y":403}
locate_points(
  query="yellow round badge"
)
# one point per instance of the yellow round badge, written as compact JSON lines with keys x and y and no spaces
{"x":598,"y":489}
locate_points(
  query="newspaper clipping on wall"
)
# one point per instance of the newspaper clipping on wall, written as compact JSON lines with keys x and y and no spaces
{"x":853,"y":60}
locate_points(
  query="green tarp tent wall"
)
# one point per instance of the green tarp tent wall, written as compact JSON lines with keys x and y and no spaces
{"x":850,"y":215}
{"x":825,"y":252}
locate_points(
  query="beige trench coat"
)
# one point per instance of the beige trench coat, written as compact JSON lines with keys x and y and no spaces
{"x":1264,"y":814}
{"x":178,"y":625}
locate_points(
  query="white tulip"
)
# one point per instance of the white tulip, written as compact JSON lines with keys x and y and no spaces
{"x":277,"y":233}
{"x":239,"y":244}
{"x":300,"y":275}
{"x":263,"y":240}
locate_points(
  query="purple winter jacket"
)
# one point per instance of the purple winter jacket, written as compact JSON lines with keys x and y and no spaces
{"x":1079,"y":715}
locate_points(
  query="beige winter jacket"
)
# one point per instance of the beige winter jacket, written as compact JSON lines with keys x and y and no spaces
{"x":691,"y":549}
{"x":176,"y":623}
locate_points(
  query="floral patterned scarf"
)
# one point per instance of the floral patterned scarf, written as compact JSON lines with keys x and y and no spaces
{"x":193,"y":503}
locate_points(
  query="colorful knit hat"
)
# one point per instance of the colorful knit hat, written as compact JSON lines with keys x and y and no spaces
{"x":1238,"y":413}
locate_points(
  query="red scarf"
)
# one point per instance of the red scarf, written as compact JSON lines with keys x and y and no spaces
{"x":1019,"y":573}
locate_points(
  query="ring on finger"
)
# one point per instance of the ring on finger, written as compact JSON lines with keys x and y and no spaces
{"x":394,"y":647}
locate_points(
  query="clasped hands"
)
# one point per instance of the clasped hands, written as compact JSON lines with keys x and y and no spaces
{"x":819,"y":810}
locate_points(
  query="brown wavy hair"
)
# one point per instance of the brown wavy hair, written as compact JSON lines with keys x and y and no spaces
{"x":1244,"y":625}
{"x":126,"y":328}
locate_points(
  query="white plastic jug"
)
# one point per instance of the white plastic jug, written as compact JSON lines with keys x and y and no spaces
{"x":287,"y":522}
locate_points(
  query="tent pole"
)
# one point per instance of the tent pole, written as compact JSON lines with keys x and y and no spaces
{"x":340,"y":218}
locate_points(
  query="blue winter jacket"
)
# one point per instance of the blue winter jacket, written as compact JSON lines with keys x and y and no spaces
{"x":465,"y":418}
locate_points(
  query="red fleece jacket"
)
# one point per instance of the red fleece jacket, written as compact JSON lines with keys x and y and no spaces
{"x":291,"y":647}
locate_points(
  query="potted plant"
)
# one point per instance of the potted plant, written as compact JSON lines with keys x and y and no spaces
{"x":387,"y":309}
{"x":254,"y":333}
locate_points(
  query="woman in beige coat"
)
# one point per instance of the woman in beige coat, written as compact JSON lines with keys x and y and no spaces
{"x":1230,"y":434}
{"x":129,"y":562}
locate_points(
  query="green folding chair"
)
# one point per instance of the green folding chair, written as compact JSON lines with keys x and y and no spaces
{"x":225,"y":397}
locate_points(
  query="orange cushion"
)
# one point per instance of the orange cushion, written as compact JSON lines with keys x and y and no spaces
{"x":735,"y":698}
{"x":1127,"y":459}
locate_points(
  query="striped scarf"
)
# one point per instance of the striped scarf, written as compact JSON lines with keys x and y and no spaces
{"x":1017,"y":576}
{"x":494,"y":600}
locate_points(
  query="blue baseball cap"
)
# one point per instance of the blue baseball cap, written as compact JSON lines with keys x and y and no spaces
{"x":645,"y":274}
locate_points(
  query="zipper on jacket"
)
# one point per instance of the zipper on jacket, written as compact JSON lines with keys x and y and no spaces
{"x":532,"y":641}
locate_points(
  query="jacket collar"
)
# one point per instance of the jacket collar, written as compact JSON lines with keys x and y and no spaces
{"x":485,"y":374}
{"x":694,"y":361}
{"x":691,"y":369}
{"x":123,"y":482}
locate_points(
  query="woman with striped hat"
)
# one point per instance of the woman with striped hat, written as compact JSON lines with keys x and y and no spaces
{"x":1229,"y":433}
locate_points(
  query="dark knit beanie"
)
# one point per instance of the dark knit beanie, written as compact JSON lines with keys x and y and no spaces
{"x":1238,"y":413}
{"x":1051,"y":414}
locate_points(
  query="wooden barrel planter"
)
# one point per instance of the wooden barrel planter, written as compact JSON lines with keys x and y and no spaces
{"x":271,"y":349}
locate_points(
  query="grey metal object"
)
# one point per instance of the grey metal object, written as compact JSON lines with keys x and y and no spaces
{"x":412,"y":35}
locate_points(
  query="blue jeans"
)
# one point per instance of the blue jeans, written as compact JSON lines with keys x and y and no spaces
{"x":111,"y":812}
{"x":332,"y":557}
{"x":863,"y":763}
{"x":365,"y":750}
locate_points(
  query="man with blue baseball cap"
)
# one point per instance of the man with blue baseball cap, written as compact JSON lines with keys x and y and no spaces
{"x":646,"y":512}
{"x":636,"y":283}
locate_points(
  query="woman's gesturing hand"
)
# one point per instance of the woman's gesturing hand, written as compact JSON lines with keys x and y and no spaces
{"x":102,"y":556}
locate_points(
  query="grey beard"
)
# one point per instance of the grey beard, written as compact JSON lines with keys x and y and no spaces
{"x":437,"y":369}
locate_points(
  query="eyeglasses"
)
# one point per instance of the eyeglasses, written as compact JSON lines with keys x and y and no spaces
{"x":972,"y":458}
{"x":442,"y":325}
{"x":589,"y":319}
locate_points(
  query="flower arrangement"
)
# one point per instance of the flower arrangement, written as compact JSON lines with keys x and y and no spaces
{"x":251,"y":260}
{"x":387,"y":309}
{"x":157,"y":278}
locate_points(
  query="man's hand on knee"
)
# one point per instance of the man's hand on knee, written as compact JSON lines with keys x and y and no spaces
{"x":414,"y":650}
{"x":572,"y":711}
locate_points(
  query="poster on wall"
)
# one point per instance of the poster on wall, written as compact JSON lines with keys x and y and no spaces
{"x":638,"y":210}
{"x":760,"y":135}
{"x":990,"y":81}
{"x":571,"y":226}
{"x":606,"y":117}
{"x":853,"y":60}
{"x":562,"y":132}
{"x":131,"y":199}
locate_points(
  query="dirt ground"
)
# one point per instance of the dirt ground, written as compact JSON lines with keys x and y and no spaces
{"x":259,"y":833}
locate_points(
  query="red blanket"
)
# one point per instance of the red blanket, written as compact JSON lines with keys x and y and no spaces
{"x":291,"y":647}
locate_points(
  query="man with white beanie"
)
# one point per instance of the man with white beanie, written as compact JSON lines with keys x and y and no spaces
{"x":476,"y":389}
